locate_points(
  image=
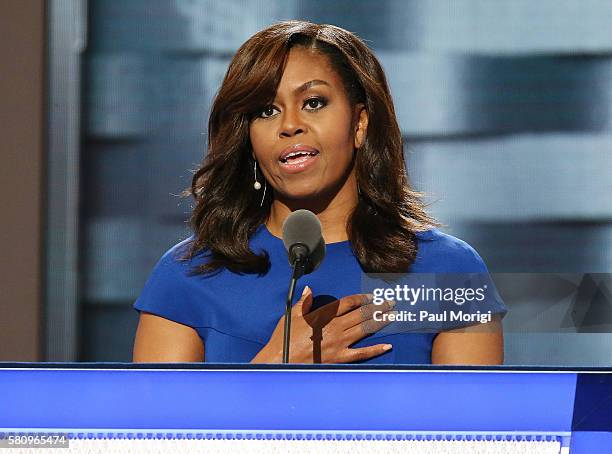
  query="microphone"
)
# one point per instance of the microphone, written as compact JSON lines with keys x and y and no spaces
{"x":303,"y":241}
{"x":306,"y":250}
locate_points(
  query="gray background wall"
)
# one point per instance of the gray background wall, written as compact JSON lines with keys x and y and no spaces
{"x":506,"y":110}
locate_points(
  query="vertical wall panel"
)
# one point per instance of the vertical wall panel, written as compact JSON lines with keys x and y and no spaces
{"x":67,"y":40}
{"x":22,"y":168}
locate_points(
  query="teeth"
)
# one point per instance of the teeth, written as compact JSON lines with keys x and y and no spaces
{"x":299,"y":153}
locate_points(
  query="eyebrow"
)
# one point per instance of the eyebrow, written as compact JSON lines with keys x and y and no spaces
{"x":305,"y":86}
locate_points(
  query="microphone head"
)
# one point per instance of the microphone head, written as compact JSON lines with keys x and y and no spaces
{"x":304,"y":228}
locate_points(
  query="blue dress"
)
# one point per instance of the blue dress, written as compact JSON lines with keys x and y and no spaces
{"x":235,"y":314}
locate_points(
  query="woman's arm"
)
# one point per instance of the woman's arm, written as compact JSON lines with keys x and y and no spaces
{"x":481,"y":344}
{"x":159,"y":340}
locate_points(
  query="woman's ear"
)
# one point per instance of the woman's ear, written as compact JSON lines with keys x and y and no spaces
{"x":361,"y":127}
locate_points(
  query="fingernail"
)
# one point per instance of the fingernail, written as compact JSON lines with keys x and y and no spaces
{"x":305,"y":291}
{"x":387,"y":347}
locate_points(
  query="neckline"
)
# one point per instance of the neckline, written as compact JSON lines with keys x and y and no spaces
{"x":265,"y":229}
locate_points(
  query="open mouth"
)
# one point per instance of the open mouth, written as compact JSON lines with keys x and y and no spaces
{"x":299,"y":160}
{"x":298,"y":157}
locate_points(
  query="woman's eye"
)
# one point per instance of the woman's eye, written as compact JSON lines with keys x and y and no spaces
{"x":315,"y":103}
{"x":309,"y":104}
{"x":267,"y":112}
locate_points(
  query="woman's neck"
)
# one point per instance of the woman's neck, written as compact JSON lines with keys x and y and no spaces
{"x":333,"y":214}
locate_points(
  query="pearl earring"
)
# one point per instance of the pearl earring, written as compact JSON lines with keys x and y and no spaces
{"x":257,"y":184}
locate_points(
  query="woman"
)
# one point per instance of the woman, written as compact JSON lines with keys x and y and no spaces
{"x":303,"y":119}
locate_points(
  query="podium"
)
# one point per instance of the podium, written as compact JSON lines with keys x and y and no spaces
{"x":106,"y":407}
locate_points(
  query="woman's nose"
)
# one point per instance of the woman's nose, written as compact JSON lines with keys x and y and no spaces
{"x":291,"y":123}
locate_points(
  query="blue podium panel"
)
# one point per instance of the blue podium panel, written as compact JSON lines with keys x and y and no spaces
{"x":436,"y":405}
{"x":287,"y":400}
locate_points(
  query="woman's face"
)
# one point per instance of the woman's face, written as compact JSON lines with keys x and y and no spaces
{"x":304,"y":141}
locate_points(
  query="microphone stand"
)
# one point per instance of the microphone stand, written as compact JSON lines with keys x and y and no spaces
{"x":300,"y":254}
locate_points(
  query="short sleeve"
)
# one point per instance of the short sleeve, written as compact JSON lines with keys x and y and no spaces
{"x":169,"y":292}
{"x":471,"y":268}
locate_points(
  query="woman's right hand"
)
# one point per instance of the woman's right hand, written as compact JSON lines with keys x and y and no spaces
{"x":325,"y":334}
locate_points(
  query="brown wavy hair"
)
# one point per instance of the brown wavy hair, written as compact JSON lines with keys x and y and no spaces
{"x":227,"y":210}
